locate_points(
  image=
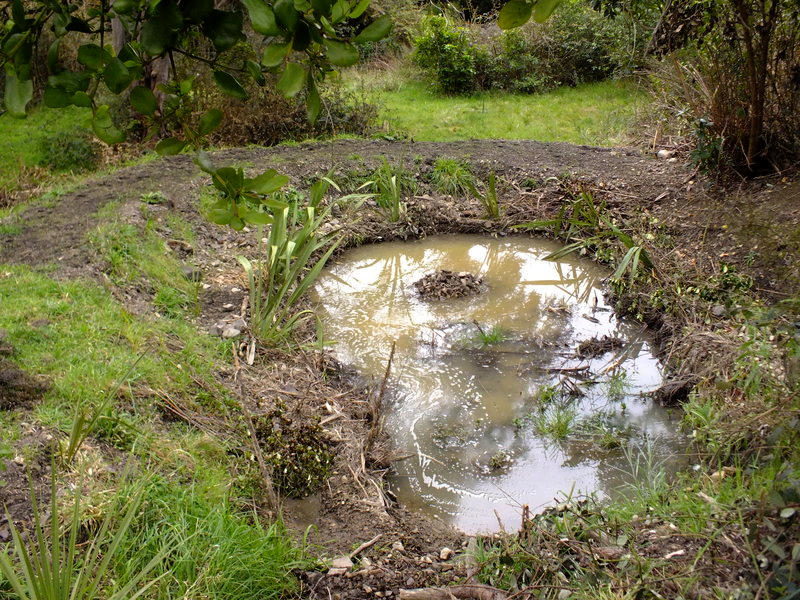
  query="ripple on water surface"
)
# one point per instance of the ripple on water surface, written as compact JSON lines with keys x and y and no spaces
{"x":490,"y":422}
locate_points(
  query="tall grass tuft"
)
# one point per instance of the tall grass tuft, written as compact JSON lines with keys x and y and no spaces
{"x":50,"y":563}
{"x":216,"y":552}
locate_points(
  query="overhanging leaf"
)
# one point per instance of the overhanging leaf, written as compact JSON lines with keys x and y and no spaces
{"x":18,"y":94}
{"x":543,"y":9}
{"x":170,"y":146}
{"x":274,"y":54}
{"x":266,"y":183}
{"x":229,"y":85}
{"x":143,"y":100}
{"x":104,"y":128}
{"x":262,"y":17}
{"x":514,"y":14}
{"x":375,"y":31}
{"x":209,"y":121}
{"x":291,"y":80}
{"x":223,"y":28}
{"x":341,"y":54}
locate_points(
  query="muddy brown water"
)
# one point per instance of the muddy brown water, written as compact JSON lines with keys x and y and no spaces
{"x":480,"y":421}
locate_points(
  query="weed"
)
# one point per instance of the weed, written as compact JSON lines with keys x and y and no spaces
{"x":493,"y":336}
{"x":452,"y":176}
{"x":555,"y":421}
{"x":581,"y":223}
{"x":391,"y":183}
{"x":132,"y":254}
{"x":289,"y":268}
{"x":499,"y":460}
{"x":617,"y":386}
{"x":488,"y":198}
{"x":154,"y":198}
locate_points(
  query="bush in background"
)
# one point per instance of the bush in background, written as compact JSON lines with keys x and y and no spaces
{"x":577,"y":45}
{"x":76,"y":150}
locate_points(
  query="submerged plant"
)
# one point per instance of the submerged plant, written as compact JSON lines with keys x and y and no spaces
{"x":490,"y":337}
{"x":555,"y":422}
{"x":618,"y":386}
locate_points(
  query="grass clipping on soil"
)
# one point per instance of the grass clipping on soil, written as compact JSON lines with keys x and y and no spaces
{"x":444,"y":284}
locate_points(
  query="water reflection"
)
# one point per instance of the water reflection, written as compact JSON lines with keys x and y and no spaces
{"x":472,"y":419}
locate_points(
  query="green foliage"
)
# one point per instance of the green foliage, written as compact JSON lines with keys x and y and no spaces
{"x":157,"y":29}
{"x":390,"y":184}
{"x":555,"y":421}
{"x":583,"y":225}
{"x":214,"y":551}
{"x":52,"y":565}
{"x":493,"y":336}
{"x":298,"y":451}
{"x":69,"y":151}
{"x":445,"y":52}
{"x":488,"y":198}
{"x":452,"y":176}
{"x":577,"y":45}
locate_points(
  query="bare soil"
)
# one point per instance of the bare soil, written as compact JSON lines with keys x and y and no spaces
{"x":700,"y":226}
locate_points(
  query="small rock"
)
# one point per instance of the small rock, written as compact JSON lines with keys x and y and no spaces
{"x":367,"y":589}
{"x":563,"y":594}
{"x":192,"y":273}
{"x":227,"y":307}
{"x":718,"y":310}
{"x":235,"y":290}
{"x":206,"y":286}
{"x":340,"y":566}
{"x":427,"y":559}
{"x":231,"y":332}
{"x":342,"y":562}
{"x":239,"y":324}
{"x":398,"y":546}
{"x":410,"y":582}
{"x":672,"y":160}
{"x":366,"y":562}
{"x":445,"y":554}
{"x":665,"y":154}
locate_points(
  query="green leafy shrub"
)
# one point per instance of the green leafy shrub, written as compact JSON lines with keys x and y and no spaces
{"x":74,"y":150}
{"x":445,"y":52}
{"x":576,"y":45}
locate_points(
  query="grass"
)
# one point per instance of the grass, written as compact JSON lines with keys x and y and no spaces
{"x":490,"y":337}
{"x":452,"y":176}
{"x":598,"y":113}
{"x":215,"y":551}
{"x":131,"y":255}
{"x":77,"y":335}
{"x":19,"y":149}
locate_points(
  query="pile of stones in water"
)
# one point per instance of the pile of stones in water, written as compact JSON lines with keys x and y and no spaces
{"x":441,"y":285}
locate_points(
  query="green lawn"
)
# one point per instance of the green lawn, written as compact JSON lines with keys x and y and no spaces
{"x":19,"y":138}
{"x":598,"y":113}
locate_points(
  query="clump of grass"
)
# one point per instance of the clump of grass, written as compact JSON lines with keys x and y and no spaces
{"x":215,"y":552}
{"x":452,"y":176}
{"x":555,"y":422}
{"x":153,"y":197}
{"x":490,"y":337}
{"x":617,"y":386}
{"x":488,"y":198}
{"x":52,"y":565}
{"x":392,"y":183}
{"x":134,"y":255}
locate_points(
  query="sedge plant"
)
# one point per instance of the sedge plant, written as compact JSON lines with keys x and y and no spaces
{"x":51,"y":564}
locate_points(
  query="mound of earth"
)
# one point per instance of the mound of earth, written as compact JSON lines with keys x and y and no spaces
{"x":444,"y":284}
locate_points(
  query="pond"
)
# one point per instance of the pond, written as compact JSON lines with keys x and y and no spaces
{"x":513,"y":396}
